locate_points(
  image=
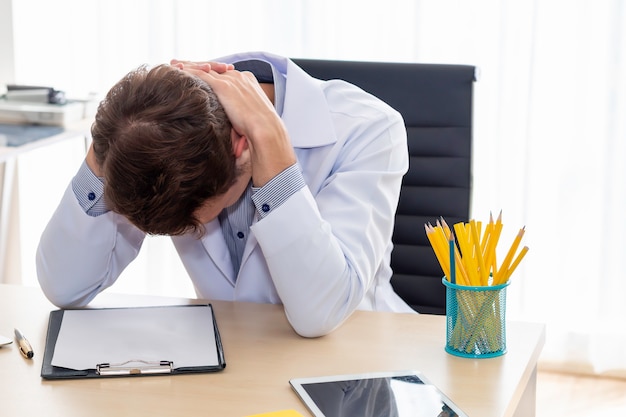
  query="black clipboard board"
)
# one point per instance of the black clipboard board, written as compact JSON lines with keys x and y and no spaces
{"x":132,"y":367}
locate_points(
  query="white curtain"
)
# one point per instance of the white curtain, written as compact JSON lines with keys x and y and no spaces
{"x":549,"y":135}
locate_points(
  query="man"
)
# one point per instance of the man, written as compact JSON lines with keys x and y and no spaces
{"x":282,"y":191}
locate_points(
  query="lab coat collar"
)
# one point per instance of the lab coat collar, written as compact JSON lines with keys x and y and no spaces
{"x":305,"y":114}
{"x":213,"y":242}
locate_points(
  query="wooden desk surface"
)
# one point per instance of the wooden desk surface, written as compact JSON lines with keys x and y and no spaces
{"x":262,"y":354}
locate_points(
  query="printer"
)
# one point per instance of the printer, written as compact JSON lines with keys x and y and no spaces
{"x":24,"y":104}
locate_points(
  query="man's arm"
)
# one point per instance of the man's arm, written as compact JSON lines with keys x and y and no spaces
{"x":324,"y":251}
{"x":84,"y":248}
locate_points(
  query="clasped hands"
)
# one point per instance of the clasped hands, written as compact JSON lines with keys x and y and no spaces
{"x":252,"y":115}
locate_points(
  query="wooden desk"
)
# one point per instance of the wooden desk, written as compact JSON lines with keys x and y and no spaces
{"x":262,"y":354}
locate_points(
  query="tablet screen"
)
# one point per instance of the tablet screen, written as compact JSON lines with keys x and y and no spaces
{"x":391,"y":394}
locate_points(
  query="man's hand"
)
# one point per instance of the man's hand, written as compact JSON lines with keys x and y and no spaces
{"x":252,"y":116}
{"x":206,"y":66}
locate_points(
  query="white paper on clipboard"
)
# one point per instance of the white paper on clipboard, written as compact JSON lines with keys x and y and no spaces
{"x":183,"y":335}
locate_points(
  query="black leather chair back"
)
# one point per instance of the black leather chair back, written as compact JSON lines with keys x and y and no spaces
{"x":436,"y":103}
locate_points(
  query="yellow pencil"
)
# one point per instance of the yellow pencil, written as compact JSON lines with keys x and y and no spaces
{"x":482,"y":274}
{"x":500,"y":277}
{"x":488,"y":231}
{"x":469,"y":257}
{"x":515,"y":263}
{"x":460,"y":268}
{"x":462,"y":242}
{"x":441,"y":235}
{"x":461,"y":276}
{"x":493,"y":243}
{"x":430,"y":234}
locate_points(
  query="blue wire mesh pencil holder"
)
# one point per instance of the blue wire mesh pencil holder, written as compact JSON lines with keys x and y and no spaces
{"x":476,"y":322}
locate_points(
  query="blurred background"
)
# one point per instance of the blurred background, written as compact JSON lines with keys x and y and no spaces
{"x":549,"y":126}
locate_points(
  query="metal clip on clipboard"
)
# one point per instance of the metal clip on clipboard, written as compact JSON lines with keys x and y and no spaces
{"x":135,"y":367}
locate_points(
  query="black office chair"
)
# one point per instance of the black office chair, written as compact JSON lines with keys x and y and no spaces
{"x":436,"y":103}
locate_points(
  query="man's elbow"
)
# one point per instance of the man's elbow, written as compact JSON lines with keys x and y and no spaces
{"x":311,"y":326}
{"x":62,"y":299}
{"x":63,"y":293}
{"x":58,"y":295}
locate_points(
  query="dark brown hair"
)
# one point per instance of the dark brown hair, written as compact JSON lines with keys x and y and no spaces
{"x":162,"y":141}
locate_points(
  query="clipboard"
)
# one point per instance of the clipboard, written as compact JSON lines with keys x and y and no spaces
{"x":133,"y":365}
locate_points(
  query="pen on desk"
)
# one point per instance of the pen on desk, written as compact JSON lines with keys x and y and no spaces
{"x":25,"y":349}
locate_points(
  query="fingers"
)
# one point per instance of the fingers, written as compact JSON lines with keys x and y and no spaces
{"x":241,"y":80}
{"x":218,"y":67}
{"x":246,"y":104}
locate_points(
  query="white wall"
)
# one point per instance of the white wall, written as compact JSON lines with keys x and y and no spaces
{"x":7,"y":75}
{"x":7,"y":55}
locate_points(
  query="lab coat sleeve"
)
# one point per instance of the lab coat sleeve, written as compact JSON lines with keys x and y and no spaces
{"x":324,"y":250}
{"x":79,"y":255}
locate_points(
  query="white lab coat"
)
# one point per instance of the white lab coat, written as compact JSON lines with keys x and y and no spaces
{"x":322,"y":254}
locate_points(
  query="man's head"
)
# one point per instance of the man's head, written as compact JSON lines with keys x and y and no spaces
{"x":163,"y":143}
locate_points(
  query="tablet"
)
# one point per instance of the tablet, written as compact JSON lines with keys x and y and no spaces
{"x":388,"y":394}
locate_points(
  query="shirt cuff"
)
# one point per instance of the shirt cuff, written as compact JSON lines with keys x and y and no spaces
{"x":277,"y":190}
{"x":89,"y":191}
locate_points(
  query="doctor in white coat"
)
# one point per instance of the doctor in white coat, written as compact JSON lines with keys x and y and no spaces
{"x":322,"y":167}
